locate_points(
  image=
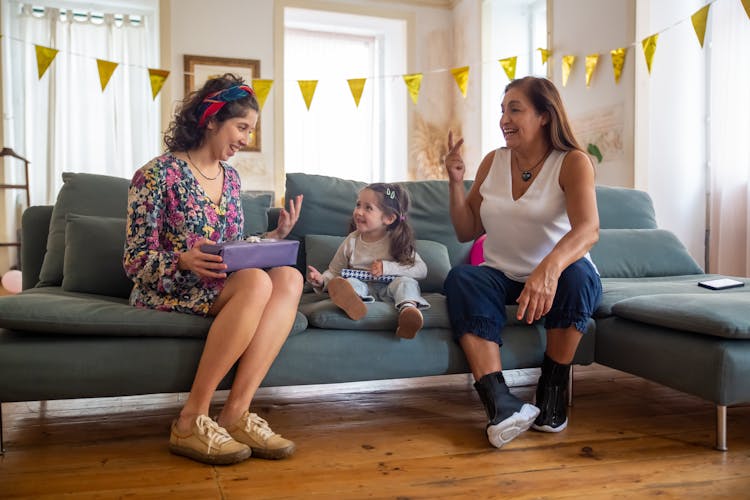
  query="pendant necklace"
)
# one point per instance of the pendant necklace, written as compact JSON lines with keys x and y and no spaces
{"x":528,"y":173}
{"x":221,"y":169}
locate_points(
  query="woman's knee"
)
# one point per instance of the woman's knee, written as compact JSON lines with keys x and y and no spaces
{"x":254,"y":283}
{"x":287,"y":280}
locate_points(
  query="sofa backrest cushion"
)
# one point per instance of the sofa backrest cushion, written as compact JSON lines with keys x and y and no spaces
{"x":329,"y":202}
{"x":321,"y":249}
{"x":84,"y":194}
{"x":641,"y":253}
{"x":255,"y":208}
{"x":94,"y":248}
{"x":624,"y":208}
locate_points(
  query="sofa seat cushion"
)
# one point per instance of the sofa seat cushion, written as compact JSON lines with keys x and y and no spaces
{"x":720,"y":315}
{"x":52,"y":310}
{"x":618,"y":289}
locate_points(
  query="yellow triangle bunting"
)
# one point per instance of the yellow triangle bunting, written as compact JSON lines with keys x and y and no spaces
{"x":699,"y":22}
{"x":307,"y":87}
{"x":509,"y":66}
{"x":44,"y":57}
{"x":746,"y":5}
{"x":106,"y":68}
{"x":413,"y":83}
{"x":357,"y":86}
{"x":461,"y":75}
{"x":545,"y":54}
{"x":567,"y":66}
{"x":618,"y":61}
{"x":591,"y":62}
{"x":262,"y":88}
{"x":157,"y":77}
{"x":649,"y":49}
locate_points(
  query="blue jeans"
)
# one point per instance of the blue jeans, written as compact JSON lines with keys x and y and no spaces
{"x":400,"y":290}
{"x":477,"y":295}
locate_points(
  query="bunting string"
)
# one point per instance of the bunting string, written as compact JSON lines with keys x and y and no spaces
{"x":413,"y":81}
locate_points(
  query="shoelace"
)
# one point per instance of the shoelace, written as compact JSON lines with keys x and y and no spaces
{"x":216,"y":435}
{"x":258,"y":426}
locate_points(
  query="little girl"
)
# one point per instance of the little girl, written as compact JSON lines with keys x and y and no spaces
{"x":382,"y":244}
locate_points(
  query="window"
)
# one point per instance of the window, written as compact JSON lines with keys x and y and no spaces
{"x":509,"y":28}
{"x":64,"y":121}
{"x":335,"y":136}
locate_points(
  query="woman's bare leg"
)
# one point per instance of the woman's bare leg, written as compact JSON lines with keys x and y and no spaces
{"x":483,"y":355}
{"x":562,"y":344}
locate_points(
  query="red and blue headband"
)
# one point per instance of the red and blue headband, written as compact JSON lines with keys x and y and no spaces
{"x":214,"y":101}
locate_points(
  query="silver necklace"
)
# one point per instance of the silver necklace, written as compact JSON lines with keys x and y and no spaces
{"x":528,"y":173}
{"x":221,"y":169}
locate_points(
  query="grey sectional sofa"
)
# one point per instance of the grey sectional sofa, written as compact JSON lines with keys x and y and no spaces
{"x":71,"y":333}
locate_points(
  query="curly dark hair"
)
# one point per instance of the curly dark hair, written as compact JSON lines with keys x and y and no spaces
{"x":184,"y":134}
{"x":394,"y":200}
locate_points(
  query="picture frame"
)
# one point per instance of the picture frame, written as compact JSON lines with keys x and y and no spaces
{"x":198,"y":69}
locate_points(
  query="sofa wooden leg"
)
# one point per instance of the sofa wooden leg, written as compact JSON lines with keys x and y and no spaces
{"x":570,"y":386}
{"x":2,"y":446}
{"x":721,"y":428}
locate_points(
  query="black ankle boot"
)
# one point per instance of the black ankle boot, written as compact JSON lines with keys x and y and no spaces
{"x":552,"y":397}
{"x":508,"y":416}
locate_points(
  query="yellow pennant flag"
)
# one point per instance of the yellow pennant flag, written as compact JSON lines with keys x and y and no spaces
{"x":509,"y":65}
{"x":357,"y":86}
{"x":44,"y":57}
{"x":307,"y":87}
{"x":618,"y":61}
{"x":567,"y":65}
{"x":413,"y":82}
{"x":746,"y":4}
{"x":591,"y":62}
{"x":461,"y":75}
{"x":649,"y":48}
{"x":106,"y":68}
{"x":157,"y":77}
{"x":699,"y":22}
{"x":261,"y":88}
{"x":545,"y":54}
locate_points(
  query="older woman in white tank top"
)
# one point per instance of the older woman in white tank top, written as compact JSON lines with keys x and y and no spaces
{"x":535,"y":200}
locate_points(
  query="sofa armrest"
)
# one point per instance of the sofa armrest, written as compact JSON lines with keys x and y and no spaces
{"x":34,"y":230}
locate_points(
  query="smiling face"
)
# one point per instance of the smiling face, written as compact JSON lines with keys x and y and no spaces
{"x":520,"y":123}
{"x":226,"y":138}
{"x":369,"y":218}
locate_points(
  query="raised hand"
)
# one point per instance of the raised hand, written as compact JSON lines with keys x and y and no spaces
{"x":454,"y":163}
{"x":287,"y":219}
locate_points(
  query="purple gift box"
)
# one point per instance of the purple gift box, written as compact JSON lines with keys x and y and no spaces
{"x":242,"y":254}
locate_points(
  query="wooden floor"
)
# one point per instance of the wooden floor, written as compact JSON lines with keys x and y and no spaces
{"x":418,"y":438}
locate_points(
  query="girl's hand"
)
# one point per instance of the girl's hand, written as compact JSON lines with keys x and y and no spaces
{"x":454,"y":163}
{"x":314,"y":277}
{"x":537,"y":295}
{"x":377,"y":268}
{"x":287,"y":219}
{"x":205,"y":265}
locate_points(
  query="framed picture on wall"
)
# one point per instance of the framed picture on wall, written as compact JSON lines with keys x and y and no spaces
{"x":198,"y":69}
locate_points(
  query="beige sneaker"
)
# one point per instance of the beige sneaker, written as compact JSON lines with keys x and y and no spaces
{"x":343,"y":295}
{"x":410,"y":321}
{"x":207,"y":443}
{"x":255,"y":432}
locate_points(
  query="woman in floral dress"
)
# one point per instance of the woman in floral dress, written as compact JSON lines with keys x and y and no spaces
{"x":178,"y":202}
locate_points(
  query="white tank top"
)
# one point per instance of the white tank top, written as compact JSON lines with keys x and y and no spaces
{"x":520,"y":233}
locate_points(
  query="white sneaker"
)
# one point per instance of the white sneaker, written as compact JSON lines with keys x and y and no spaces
{"x":506,"y":431}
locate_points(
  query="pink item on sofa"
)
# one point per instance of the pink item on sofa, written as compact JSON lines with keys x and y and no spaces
{"x":476,"y":255}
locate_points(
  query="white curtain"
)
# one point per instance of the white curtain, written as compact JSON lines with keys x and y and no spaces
{"x":64,"y":121}
{"x":729,"y":146}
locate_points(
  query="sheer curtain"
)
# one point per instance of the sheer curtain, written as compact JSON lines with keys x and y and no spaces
{"x":729,"y":144}
{"x":64,"y":122}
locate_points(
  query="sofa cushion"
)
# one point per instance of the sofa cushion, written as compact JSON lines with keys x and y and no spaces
{"x":85,"y":194}
{"x":624,"y":208}
{"x":51,"y":310}
{"x":94,"y":249}
{"x":321,"y":248}
{"x":641,"y":253}
{"x":723,"y":314}
{"x":255,"y":212}
{"x":329,"y":202}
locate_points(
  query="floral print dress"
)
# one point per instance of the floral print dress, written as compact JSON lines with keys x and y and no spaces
{"x":168,"y":211}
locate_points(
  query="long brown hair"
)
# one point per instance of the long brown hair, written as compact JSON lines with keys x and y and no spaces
{"x":394,"y":200}
{"x":546,"y":99}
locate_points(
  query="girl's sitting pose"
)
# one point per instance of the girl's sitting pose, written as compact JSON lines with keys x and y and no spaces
{"x":381,"y":244}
